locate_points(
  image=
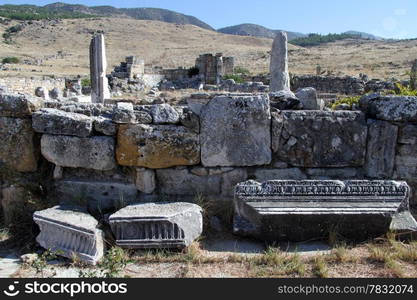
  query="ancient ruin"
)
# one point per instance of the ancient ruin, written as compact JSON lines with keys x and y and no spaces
{"x":309,"y":209}
{"x":98,"y":66}
{"x":280,"y":78}
{"x":294,"y":168}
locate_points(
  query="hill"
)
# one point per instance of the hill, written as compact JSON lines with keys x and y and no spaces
{"x":61,"y":10}
{"x":364,"y":35}
{"x":257,"y":31}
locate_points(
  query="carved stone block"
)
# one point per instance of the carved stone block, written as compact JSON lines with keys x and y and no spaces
{"x":157,"y":225}
{"x":307,"y":209}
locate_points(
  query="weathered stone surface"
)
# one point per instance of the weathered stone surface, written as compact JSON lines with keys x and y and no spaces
{"x":143,"y":117}
{"x":18,"y":105}
{"x":264,"y":174}
{"x":380,"y":156}
{"x":235,"y":131}
{"x":164,"y":114}
{"x":157,"y":225}
{"x":334,"y":173}
{"x":408,"y":134}
{"x":18,"y":148}
{"x":12,"y":200}
{"x":308,"y":98}
{"x":190,"y":120}
{"x":390,"y":108}
{"x":157,"y":146}
{"x":230,"y":179}
{"x":104,"y":126}
{"x":98,"y":196}
{"x":303,"y":210}
{"x":280,"y":78}
{"x":96,"y":152}
{"x":406,"y":162}
{"x":42,"y":92}
{"x":55,"y":93}
{"x":180,"y":181}
{"x":98,"y":64}
{"x":145,"y":180}
{"x":54,"y":121}
{"x":320,"y":139}
{"x":70,"y":231}
{"x":284,"y":100}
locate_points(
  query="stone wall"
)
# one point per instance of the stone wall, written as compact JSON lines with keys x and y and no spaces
{"x":104,"y":154}
{"x":29,"y":85}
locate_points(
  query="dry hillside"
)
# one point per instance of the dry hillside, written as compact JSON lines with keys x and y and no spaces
{"x":170,"y":45}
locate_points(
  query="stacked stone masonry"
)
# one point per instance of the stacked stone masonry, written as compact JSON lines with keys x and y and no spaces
{"x":204,"y":147}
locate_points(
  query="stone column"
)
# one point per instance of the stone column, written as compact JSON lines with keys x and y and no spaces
{"x":98,"y":65}
{"x":280,"y":78}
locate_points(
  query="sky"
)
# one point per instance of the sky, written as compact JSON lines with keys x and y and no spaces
{"x":385,"y":18}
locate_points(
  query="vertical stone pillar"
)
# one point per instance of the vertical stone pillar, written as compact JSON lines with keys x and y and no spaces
{"x":98,"y":65}
{"x":280,"y":78}
{"x":218,"y":68}
{"x":413,"y":76}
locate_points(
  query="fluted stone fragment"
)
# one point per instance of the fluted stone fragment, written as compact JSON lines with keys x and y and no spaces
{"x":98,"y":65}
{"x":70,"y":231}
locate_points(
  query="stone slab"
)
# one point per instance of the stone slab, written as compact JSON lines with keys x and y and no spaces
{"x":235,"y":131}
{"x":95,"y":152}
{"x":317,"y":139}
{"x":310,"y":209}
{"x":54,"y":121}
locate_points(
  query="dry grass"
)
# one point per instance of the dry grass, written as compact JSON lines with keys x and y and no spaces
{"x":171,"y":46}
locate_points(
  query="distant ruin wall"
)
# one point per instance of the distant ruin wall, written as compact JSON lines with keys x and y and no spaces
{"x":206,"y":147}
{"x":28,"y":85}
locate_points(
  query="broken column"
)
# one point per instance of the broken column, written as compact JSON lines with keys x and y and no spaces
{"x":98,"y":65}
{"x":280,"y":78}
{"x":413,"y":76}
{"x":70,"y":232}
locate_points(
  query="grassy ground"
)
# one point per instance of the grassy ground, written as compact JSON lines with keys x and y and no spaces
{"x":384,"y":257}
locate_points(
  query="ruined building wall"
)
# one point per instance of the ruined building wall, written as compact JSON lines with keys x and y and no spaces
{"x":155,"y":152}
{"x":28,"y":85}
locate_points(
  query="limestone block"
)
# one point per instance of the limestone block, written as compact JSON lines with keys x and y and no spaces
{"x":390,"y":108}
{"x":145,"y":180}
{"x":235,"y":131}
{"x":180,"y":181}
{"x":70,"y":231}
{"x":105,"y":126}
{"x":54,"y":121}
{"x":317,"y":139}
{"x":157,"y":225}
{"x":12,"y":199}
{"x":380,"y":156}
{"x":96,"y":152}
{"x":18,"y":105}
{"x":300,"y":210}
{"x":157,"y":146}
{"x":98,"y":196}
{"x":308,"y":98}
{"x":264,"y":174}
{"x":18,"y":147}
{"x":164,"y":114}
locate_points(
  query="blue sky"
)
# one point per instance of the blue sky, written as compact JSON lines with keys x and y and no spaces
{"x":386,"y":18}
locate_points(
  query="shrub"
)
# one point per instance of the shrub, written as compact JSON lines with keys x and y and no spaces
{"x":86,"y":82}
{"x":314,"y":39}
{"x":193,"y":71}
{"x":404,"y":91}
{"x":236,"y":77}
{"x":348,"y":100}
{"x":10,"y":60}
{"x":241,"y":70}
